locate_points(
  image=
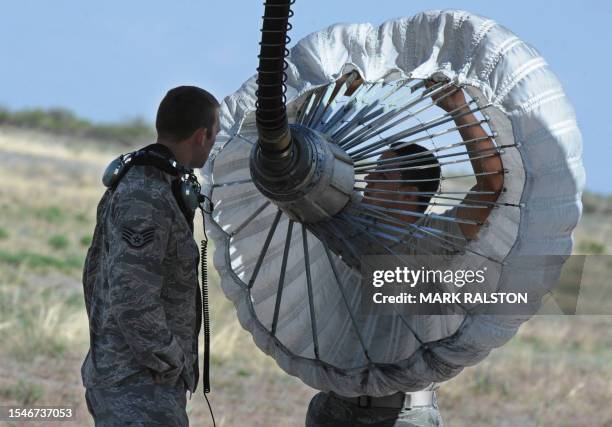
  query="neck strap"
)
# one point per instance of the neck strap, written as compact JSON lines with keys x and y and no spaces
{"x":161,"y":157}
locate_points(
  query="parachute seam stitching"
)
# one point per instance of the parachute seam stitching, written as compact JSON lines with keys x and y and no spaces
{"x":516,"y":77}
{"x":502,"y":50}
{"x":476,"y":40}
{"x":541,"y":99}
{"x":461,"y":18}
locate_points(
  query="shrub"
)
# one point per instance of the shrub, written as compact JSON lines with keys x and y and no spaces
{"x":86,"y":240}
{"x":25,"y":393}
{"x":58,"y":241}
{"x":591,"y":247}
{"x":50,"y":214}
{"x":65,"y":122}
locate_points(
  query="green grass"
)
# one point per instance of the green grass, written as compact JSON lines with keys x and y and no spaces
{"x":82,"y":218}
{"x":243,"y":373}
{"x":591,"y":247}
{"x":75,"y":300}
{"x":3,"y":234}
{"x":86,"y":240}
{"x":38,"y":319}
{"x":39,"y":261}
{"x":59,"y":241}
{"x":25,"y":393}
{"x":51,"y":214}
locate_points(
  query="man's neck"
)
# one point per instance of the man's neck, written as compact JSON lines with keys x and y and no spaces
{"x":178,"y":150}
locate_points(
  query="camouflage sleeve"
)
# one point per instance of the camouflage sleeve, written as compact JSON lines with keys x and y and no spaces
{"x":138,"y":237}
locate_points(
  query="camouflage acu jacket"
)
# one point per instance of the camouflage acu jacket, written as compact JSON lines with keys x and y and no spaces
{"x":141,"y":286}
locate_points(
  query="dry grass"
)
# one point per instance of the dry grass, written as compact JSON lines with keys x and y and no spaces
{"x":556,"y":372}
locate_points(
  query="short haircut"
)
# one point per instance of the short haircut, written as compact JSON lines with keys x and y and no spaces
{"x":184,"y":110}
{"x":431,"y":174}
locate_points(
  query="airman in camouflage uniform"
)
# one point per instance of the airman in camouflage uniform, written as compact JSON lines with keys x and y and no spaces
{"x":141,"y":286}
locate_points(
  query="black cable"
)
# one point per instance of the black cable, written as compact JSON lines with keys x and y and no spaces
{"x":205,"y":313}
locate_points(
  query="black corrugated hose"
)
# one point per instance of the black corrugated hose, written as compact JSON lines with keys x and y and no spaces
{"x":271,"y":114}
{"x":205,"y":312}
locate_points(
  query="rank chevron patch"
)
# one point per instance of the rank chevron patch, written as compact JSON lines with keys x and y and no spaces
{"x":138,"y":239}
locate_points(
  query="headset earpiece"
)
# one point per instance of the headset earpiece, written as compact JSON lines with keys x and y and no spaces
{"x":190,"y":192}
{"x":114,"y":172}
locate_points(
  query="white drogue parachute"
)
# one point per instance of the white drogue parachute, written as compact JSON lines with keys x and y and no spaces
{"x":299,"y":294}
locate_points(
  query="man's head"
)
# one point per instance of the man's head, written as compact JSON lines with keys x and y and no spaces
{"x":188,"y":122}
{"x":422,"y":171}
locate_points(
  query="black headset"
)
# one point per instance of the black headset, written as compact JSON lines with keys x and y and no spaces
{"x":185,"y":186}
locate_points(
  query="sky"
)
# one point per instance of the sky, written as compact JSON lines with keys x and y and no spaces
{"x":113,"y":60}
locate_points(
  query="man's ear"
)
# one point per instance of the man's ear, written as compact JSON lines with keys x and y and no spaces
{"x":408,"y":197}
{"x":200,"y":136}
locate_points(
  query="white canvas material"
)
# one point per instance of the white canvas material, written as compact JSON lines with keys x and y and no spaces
{"x":545,"y":176}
